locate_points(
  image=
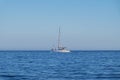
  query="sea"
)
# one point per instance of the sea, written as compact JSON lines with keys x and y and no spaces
{"x":46,"y":65}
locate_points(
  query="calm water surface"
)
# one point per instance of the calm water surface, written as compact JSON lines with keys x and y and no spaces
{"x":44,"y":65}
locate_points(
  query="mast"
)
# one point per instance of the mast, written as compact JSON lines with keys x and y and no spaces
{"x":59,"y":38}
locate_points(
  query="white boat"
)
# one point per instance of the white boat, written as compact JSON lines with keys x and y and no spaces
{"x":60,"y":48}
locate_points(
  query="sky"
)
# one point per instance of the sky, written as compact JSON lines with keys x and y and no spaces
{"x":85,"y":24}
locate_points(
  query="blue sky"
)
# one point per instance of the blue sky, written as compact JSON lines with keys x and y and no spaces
{"x":85,"y":24}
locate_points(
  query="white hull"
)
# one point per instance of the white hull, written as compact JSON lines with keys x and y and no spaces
{"x":62,"y":51}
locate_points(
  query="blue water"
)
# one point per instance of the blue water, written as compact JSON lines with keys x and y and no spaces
{"x":44,"y":65}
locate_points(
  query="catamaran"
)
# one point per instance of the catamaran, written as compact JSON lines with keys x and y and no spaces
{"x":60,"y":48}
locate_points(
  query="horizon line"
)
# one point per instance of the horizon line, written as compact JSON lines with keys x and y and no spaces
{"x":71,"y":50}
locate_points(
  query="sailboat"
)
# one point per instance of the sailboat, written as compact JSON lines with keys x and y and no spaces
{"x":60,"y":48}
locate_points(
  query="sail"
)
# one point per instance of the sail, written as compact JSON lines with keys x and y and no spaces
{"x":59,"y":45}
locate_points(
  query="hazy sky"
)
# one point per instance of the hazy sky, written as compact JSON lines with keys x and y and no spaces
{"x":85,"y":24}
